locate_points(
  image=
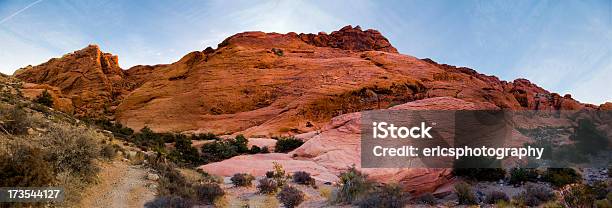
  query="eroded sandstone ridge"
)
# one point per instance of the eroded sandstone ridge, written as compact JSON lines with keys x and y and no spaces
{"x":268,"y":83}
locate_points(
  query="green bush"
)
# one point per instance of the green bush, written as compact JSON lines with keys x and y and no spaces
{"x":465,"y":194}
{"x":287,"y":144}
{"x":388,"y":196}
{"x":495,"y":197}
{"x":265,"y":150}
{"x":183,"y":151}
{"x":290,"y":196}
{"x":240,"y":142}
{"x":218,"y":150}
{"x":242,"y":179}
{"x":521,"y":175}
{"x":255,"y":149}
{"x":24,"y":167}
{"x":45,"y":99}
{"x":561,"y":176}
{"x":267,"y":186}
{"x":169,"y":202}
{"x":353,"y":185}
{"x":115,"y":127}
{"x":279,"y":174}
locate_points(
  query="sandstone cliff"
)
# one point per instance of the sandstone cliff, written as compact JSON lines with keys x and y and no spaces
{"x":268,"y":83}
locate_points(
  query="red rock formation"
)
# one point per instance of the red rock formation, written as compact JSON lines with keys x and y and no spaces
{"x":268,"y":83}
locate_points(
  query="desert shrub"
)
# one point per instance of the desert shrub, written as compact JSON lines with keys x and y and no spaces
{"x":301,"y":177}
{"x":600,"y":189}
{"x":108,"y":151}
{"x":535,"y":194}
{"x":427,"y":198}
{"x":521,"y":175}
{"x":353,"y":184}
{"x":277,"y":51}
{"x":115,"y":127}
{"x":561,"y":176}
{"x":209,"y":192}
{"x":279,"y":174}
{"x":481,"y":174}
{"x":73,"y":150}
{"x":14,"y":120}
{"x":206,"y":136}
{"x":255,"y":149}
{"x":24,"y":167}
{"x":265,"y":150}
{"x":218,"y":150}
{"x":495,"y":196}
{"x":242,"y":179}
{"x":290,"y":196}
{"x":465,"y":194}
{"x":579,"y":196}
{"x":45,"y":99}
{"x":269,"y":174}
{"x":388,"y":196}
{"x":240,"y":142}
{"x":267,"y":186}
{"x":286,"y":144}
{"x":183,"y":151}
{"x":169,"y":202}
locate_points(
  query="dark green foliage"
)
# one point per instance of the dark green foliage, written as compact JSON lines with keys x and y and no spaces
{"x":521,"y":175}
{"x":269,"y":174}
{"x":14,"y":120}
{"x":147,"y":138}
{"x":496,"y":196}
{"x":206,"y":136}
{"x":255,"y":149}
{"x":45,"y":99}
{"x":240,"y":142}
{"x":470,"y":167}
{"x":265,"y":150}
{"x":277,"y":51}
{"x":353,"y":185}
{"x":387,"y":196}
{"x":218,"y":150}
{"x":242,"y":179}
{"x":115,"y":127}
{"x":589,"y":140}
{"x":481,"y":174}
{"x":290,"y":196}
{"x":301,"y":177}
{"x":183,"y":152}
{"x":465,"y":194}
{"x":286,"y":144}
{"x":561,"y":176}
{"x":26,"y":167}
{"x":427,"y":198}
{"x":267,"y":186}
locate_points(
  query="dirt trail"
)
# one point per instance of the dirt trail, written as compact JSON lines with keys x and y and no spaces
{"x":121,"y":185}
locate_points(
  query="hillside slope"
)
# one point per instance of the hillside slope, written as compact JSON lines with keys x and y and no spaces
{"x":268,"y":83}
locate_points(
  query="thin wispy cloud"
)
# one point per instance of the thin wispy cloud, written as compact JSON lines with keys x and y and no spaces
{"x":19,"y":11}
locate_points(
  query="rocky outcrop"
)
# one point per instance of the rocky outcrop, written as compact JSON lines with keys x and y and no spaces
{"x":337,"y":147}
{"x":350,"y":38}
{"x":60,"y":102}
{"x":259,"y":84}
{"x":85,"y":76}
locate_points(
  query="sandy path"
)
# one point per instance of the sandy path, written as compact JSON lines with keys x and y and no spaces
{"x":121,"y":185}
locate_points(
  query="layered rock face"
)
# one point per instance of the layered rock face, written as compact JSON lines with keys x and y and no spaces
{"x":337,"y":147}
{"x":259,"y":83}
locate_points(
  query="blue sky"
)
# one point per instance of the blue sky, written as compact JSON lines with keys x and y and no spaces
{"x":563,"y":46}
